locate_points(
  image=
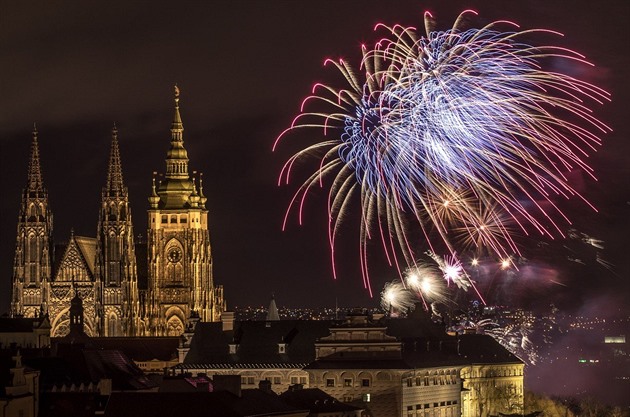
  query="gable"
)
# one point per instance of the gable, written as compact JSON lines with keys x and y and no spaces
{"x":78,"y":260}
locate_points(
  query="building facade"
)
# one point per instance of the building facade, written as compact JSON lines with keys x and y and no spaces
{"x":121,"y":296}
{"x":386,"y":367}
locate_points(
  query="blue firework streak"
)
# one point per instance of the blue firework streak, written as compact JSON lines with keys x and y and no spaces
{"x":461,"y":130}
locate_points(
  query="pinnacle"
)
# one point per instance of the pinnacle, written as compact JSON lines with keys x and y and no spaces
{"x":114,"y":184}
{"x":35,"y":181}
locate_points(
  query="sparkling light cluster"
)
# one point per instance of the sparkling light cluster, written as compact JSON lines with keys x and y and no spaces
{"x":457,"y":140}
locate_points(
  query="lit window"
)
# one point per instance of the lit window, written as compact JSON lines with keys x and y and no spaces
{"x":276,"y":380}
{"x":330,"y":382}
{"x":366,"y":398}
{"x":302,"y":380}
{"x":347,"y":382}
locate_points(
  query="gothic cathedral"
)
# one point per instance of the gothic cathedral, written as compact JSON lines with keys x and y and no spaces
{"x":158,"y":293}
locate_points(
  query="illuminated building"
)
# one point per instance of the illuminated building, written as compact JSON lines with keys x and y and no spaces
{"x":121,"y":296}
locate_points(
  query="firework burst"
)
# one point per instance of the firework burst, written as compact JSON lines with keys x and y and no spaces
{"x":457,"y":133}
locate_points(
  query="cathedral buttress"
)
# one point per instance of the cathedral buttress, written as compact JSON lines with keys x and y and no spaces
{"x":116,"y":270}
{"x":179,"y":252}
{"x":33,"y":252}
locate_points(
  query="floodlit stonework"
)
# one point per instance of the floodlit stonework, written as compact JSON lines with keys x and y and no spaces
{"x":123,"y":294}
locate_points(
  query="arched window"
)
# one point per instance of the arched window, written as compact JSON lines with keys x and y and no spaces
{"x":33,"y":258}
{"x":112,"y":325}
{"x":174,"y":326}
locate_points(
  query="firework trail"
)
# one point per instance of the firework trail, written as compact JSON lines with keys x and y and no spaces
{"x":457,"y":137}
{"x":513,"y":336}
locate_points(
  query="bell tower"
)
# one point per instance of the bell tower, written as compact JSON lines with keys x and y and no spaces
{"x":33,"y":251}
{"x":116,"y":271}
{"x":179,"y":253}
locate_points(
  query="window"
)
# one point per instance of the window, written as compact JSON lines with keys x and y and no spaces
{"x":294,"y":380}
{"x":330,"y":382}
{"x":347,"y":382}
{"x":442,"y":404}
{"x":173,"y":218}
{"x":250,"y":380}
{"x":303,"y":380}
{"x":164,"y":219}
{"x":366,"y":398}
{"x":347,"y":398}
{"x":409,"y":382}
{"x":418,"y":381}
{"x":183,"y":219}
{"x":276,"y":380}
{"x":365,"y":382}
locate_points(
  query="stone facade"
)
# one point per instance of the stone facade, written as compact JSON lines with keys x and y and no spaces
{"x":104,"y":271}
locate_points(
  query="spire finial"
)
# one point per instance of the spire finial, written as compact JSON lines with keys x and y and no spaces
{"x":35,"y":182}
{"x":114,"y":185}
{"x":176,"y":95}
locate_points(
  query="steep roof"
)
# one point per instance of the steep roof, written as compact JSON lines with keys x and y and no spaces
{"x":315,"y":400}
{"x":198,"y":404}
{"x":140,"y":348}
{"x":256,"y":343}
{"x":22,"y":324}
{"x":455,"y":350}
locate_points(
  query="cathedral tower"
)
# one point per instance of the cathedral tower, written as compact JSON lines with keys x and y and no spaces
{"x":179,"y":252}
{"x":32,"y":265}
{"x":116,"y":271}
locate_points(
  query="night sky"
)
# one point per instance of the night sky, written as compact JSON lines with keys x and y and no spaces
{"x":243,"y":68}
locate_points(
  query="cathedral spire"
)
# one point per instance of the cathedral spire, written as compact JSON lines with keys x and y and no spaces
{"x":177,"y":157}
{"x":114,"y":184}
{"x":35,"y":182}
{"x":177,"y":127}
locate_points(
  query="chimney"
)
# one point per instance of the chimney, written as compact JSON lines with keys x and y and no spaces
{"x":227,"y":318}
{"x":265,"y":385}
{"x":230,"y":383}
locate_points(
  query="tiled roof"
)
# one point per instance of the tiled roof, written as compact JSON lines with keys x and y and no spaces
{"x":315,"y":400}
{"x":257,"y":342}
{"x":141,"y":348}
{"x":198,"y":404}
{"x":18,"y":324}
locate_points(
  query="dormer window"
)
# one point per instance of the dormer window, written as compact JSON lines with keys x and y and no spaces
{"x":233,"y":348}
{"x":282,"y":347}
